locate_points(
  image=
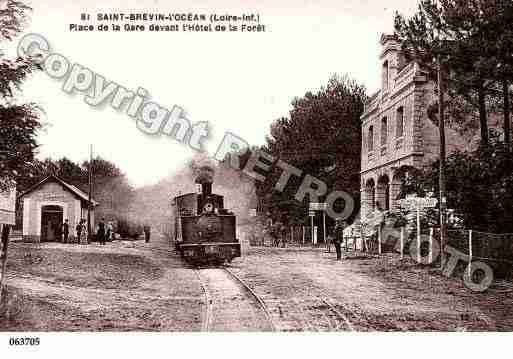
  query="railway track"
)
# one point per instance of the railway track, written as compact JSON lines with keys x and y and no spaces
{"x":308,"y":312}
{"x":206,"y":322}
{"x":230,"y":304}
{"x":353,"y":320}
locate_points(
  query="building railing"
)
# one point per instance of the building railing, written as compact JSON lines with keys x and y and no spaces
{"x":399,"y":142}
{"x":404,"y":73}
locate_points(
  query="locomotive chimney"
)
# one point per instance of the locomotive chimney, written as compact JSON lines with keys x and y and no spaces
{"x":205,"y":178}
{"x":206,"y":188}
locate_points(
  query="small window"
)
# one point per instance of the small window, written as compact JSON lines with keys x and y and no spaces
{"x":384,"y":131}
{"x":400,"y":122}
{"x":370,"y":139}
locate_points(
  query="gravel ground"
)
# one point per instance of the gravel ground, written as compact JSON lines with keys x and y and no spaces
{"x":381,"y":294}
{"x":232,"y":308}
{"x":121,"y":286}
{"x":138,"y":286}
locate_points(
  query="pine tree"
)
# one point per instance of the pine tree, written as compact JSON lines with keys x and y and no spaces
{"x":473,"y":38}
{"x":322,"y":138}
{"x":18,"y":122}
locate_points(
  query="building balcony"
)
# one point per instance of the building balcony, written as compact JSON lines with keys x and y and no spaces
{"x":371,"y":156}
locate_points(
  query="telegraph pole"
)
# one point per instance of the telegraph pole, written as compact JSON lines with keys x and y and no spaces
{"x":4,"y":242}
{"x":90,"y":194}
{"x":441,"y":130}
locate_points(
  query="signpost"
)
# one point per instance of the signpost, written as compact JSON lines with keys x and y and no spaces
{"x":319,"y":207}
{"x":312,"y":215}
{"x":376,"y":221}
{"x":7,"y":219}
{"x":7,"y":207}
{"x":417,"y":204}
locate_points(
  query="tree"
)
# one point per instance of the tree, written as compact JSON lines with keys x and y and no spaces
{"x":70,"y":171}
{"x":110,"y":188}
{"x":322,"y":138}
{"x":464,"y":35}
{"x":18,"y":122}
{"x":479,"y":186}
{"x":500,"y":44}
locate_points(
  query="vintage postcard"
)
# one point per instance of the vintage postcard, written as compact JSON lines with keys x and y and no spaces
{"x":299,"y":170}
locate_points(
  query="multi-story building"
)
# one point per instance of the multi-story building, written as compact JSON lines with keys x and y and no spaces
{"x":396,"y":130}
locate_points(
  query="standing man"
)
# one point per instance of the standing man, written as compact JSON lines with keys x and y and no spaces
{"x":338,"y":238}
{"x":108,"y":235}
{"x":78,"y":229}
{"x":147,"y":232}
{"x":65,"y":231}
{"x":101,"y":231}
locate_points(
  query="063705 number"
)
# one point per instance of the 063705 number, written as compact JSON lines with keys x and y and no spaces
{"x":24,"y":341}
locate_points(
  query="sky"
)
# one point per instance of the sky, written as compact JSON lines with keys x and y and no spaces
{"x":238,"y":82}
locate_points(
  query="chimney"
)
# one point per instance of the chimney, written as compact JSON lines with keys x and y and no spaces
{"x":206,"y":188}
{"x":205,"y":177}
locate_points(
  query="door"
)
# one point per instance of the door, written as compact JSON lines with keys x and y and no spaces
{"x":51,"y":223}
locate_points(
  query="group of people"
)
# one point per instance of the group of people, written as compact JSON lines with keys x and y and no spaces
{"x":278,"y":233}
{"x":104,"y":231}
{"x":80,"y":231}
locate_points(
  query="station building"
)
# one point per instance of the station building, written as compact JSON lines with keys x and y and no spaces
{"x":396,"y":131}
{"x":46,"y":206}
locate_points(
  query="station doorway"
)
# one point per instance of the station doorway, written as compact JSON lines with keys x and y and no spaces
{"x":51,"y":223}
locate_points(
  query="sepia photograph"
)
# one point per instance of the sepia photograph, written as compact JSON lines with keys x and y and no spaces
{"x":315,"y":177}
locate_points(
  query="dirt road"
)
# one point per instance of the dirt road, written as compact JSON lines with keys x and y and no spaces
{"x":139,"y":286}
{"x":121,"y":286}
{"x":380,"y":294}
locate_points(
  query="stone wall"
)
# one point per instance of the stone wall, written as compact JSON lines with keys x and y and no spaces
{"x":419,"y":146}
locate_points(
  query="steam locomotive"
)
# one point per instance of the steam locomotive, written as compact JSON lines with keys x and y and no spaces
{"x":204,"y":231}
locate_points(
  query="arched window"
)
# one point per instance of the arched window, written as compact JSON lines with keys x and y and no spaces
{"x":384,"y":131}
{"x":370,"y":196}
{"x":400,"y":122}
{"x":370,"y":139}
{"x":383,"y":193}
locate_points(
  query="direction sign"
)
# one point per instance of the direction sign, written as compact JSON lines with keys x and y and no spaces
{"x":318,"y":206}
{"x":418,"y":202}
{"x":8,"y":206}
